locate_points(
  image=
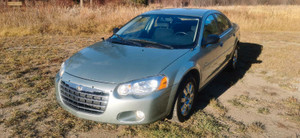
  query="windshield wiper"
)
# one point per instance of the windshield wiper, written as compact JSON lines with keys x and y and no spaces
{"x":127,"y":41}
{"x":153,"y":43}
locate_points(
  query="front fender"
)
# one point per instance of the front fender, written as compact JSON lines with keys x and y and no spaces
{"x":176,"y":73}
{"x":184,"y":70}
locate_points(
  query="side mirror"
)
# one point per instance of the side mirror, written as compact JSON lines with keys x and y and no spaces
{"x":212,"y":39}
{"x":116,"y":30}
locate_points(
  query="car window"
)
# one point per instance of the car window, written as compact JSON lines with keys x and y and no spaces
{"x":156,"y":30}
{"x":210,"y":27}
{"x":137,"y":26}
{"x":223,"y":22}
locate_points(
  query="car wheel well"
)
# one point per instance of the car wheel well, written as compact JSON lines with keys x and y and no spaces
{"x":192,"y":73}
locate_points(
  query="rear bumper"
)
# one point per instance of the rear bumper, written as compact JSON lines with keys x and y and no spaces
{"x":120,"y":110}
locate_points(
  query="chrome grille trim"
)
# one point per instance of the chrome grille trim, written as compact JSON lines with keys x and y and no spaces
{"x":73,"y":99}
{"x":67,"y":94}
{"x":82,"y":108}
{"x":86,"y":99}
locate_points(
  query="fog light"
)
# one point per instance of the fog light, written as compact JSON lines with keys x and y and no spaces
{"x":140,"y":114}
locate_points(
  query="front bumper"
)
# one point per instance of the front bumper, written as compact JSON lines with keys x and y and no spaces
{"x":154,"y":106}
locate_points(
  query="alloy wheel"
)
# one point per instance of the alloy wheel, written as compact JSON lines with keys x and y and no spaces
{"x":187,"y":99}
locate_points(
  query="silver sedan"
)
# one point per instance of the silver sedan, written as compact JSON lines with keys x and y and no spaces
{"x":151,"y":68}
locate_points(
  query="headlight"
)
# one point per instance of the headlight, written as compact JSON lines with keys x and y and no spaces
{"x":144,"y":86}
{"x":62,"y":69}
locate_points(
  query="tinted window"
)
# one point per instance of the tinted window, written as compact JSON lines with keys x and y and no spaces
{"x":223,"y":22}
{"x":210,"y":27}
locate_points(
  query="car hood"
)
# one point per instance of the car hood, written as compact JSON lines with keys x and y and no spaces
{"x":115,"y":63}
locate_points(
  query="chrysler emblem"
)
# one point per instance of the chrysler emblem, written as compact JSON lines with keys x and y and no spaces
{"x":79,"y":88}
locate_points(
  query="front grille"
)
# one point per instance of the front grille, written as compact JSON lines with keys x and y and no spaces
{"x":83,"y":99}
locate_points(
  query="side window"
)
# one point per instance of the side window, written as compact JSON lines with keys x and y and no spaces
{"x":223,"y":22}
{"x":210,"y":27}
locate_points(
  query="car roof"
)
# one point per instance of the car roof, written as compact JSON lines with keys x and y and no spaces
{"x":180,"y":11}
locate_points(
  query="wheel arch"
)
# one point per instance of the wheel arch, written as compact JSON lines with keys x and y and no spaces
{"x":187,"y":69}
{"x":193,"y":71}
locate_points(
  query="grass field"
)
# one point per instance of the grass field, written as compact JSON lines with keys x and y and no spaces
{"x":261,"y":99}
{"x":84,"y":21}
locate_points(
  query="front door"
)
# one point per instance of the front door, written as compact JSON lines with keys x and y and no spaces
{"x":210,"y":59}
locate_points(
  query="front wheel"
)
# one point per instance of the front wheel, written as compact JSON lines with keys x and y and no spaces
{"x":185,"y":100}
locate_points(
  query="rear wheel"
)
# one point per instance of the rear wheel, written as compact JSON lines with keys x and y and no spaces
{"x":232,"y":66}
{"x":185,"y":100}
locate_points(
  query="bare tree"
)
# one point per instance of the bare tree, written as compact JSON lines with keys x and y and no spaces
{"x":6,"y":2}
{"x":81,"y":3}
{"x":2,"y":3}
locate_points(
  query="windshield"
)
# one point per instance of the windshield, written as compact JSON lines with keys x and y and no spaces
{"x":159,"y":31}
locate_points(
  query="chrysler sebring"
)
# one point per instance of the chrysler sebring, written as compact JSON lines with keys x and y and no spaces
{"x":151,"y":68}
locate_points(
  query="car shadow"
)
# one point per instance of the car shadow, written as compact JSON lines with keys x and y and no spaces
{"x":248,"y":54}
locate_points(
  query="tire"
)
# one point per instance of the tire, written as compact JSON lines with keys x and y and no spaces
{"x":232,"y":65}
{"x":184,"y":104}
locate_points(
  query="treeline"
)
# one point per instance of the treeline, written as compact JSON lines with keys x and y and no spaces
{"x":160,"y":2}
{"x":225,"y":2}
{"x":200,"y":2}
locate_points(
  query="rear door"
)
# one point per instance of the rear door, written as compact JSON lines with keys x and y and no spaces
{"x":227,"y":40}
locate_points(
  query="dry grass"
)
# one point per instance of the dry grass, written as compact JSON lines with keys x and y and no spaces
{"x":257,"y":127}
{"x":29,"y":63}
{"x":242,"y":101}
{"x":28,"y":106}
{"x":28,"y":66}
{"x":292,"y":105}
{"x":263,"y":110}
{"x":264,"y":18}
{"x":65,"y":21}
{"x":218,"y":106}
{"x":101,"y":20}
{"x":236,"y":102}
